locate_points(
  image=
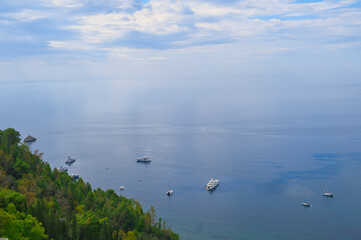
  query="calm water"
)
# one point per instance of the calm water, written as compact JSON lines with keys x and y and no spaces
{"x":270,"y":150}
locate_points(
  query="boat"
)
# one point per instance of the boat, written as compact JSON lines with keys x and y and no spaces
{"x":70,"y":160}
{"x":211,"y":185}
{"x":121,"y":187}
{"x":29,"y":139}
{"x":170,"y":191}
{"x":63,"y":169}
{"x":74,"y":176}
{"x":144,"y":159}
{"x":326,"y":193}
{"x":306,"y":204}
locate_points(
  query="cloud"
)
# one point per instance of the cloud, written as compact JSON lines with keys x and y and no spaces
{"x":28,"y":15}
{"x":67,"y":3}
{"x":108,"y":25}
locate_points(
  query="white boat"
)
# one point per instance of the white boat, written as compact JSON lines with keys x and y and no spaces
{"x":144,"y":159}
{"x":170,"y":191}
{"x":63,"y":169}
{"x":328,"y":194}
{"x":212,"y":184}
{"x":70,"y":160}
{"x":306,"y":204}
{"x":74,"y":176}
{"x":121,"y":187}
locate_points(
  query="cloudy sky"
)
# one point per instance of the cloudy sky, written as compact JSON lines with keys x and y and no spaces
{"x":60,"y":39}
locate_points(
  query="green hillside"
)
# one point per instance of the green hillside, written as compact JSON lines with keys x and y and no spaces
{"x":37,"y":202}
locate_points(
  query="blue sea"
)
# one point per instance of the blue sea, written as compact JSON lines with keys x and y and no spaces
{"x":271,"y":146}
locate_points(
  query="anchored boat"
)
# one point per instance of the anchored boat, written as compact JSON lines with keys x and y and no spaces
{"x":144,"y":159}
{"x":212,"y":184}
{"x":70,"y":160}
{"x":306,"y":204}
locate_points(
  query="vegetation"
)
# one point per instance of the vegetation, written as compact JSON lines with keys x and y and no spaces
{"x":39,"y":203}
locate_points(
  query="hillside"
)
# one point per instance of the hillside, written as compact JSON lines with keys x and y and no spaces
{"x":37,"y":202}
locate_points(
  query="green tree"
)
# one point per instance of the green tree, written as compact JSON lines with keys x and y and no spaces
{"x":15,"y":225}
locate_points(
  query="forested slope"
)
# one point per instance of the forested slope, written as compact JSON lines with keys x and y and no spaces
{"x":37,"y":202}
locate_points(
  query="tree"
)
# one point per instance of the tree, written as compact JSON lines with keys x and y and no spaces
{"x":16,"y":225}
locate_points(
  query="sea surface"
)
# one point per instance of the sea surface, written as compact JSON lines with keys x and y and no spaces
{"x":271,"y":148}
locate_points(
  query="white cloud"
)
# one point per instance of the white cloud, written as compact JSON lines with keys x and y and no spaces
{"x":70,"y":45}
{"x":28,"y":15}
{"x":67,"y":3}
{"x":184,"y":24}
{"x":212,"y":21}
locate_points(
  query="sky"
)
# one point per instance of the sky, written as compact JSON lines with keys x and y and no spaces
{"x":115,"y":39}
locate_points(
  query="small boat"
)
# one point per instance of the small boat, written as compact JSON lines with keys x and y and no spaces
{"x":326,"y":193}
{"x":74,"y":176}
{"x":70,"y":160}
{"x":121,"y":187}
{"x":211,"y":185}
{"x":144,"y":159}
{"x":63,"y":169}
{"x":170,"y":191}
{"x":306,"y":204}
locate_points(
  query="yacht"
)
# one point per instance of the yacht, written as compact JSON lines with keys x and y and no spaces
{"x":328,"y":194}
{"x":70,"y":160}
{"x":63,"y":169}
{"x":144,"y":159}
{"x":74,"y":176}
{"x":121,"y":187}
{"x":212,"y":184}
{"x":306,"y":204}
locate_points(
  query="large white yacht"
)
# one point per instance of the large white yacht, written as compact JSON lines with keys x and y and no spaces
{"x":212,"y":184}
{"x":144,"y":159}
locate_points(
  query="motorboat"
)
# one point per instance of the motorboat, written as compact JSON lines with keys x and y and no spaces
{"x":70,"y":160}
{"x":63,"y":169}
{"x":144,"y":159}
{"x":121,"y":187}
{"x":170,"y":191}
{"x":74,"y":176}
{"x":306,"y":204}
{"x":212,"y":184}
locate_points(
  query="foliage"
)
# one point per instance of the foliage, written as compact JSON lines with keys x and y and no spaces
{"x":18,"y":225}
{"x":39,"y":203}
